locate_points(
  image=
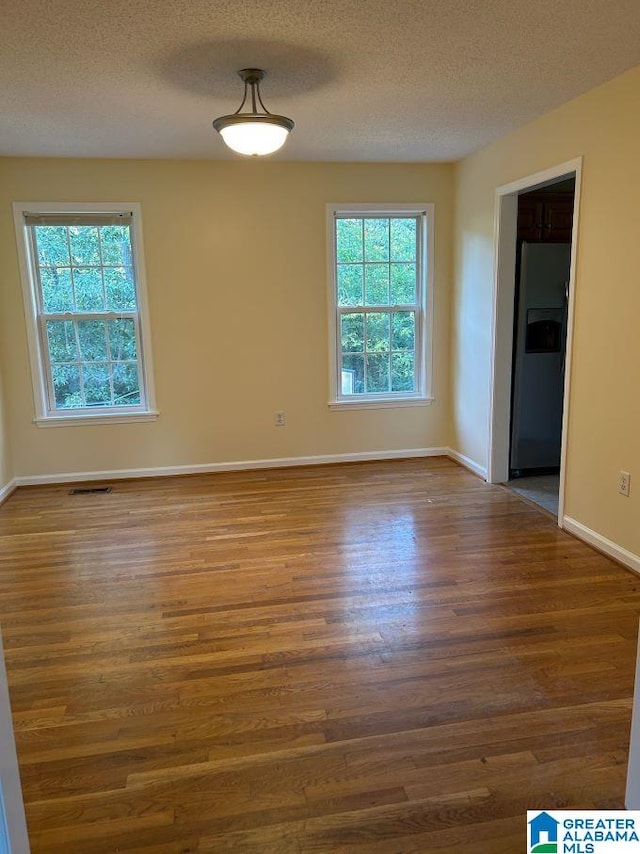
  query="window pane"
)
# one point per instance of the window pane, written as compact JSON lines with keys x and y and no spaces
{"x":122,"y":339}
{"x":403,"y":325}
{"x":88,"y":285}
{"x":350,"y":284}
{"x":402,"y":374}
{"x":52,"y":245}
{"x":57,"y":293}
{"x":66,"y":386}
{"x":97,"y":389}
{"x":377,"y":284}
{"x":348,"y":240}
{"x":403,"y":284}
{"x":376,"y":239}
{"x":126,"y":385}
{"x":116,"y":245}
{"x":352,"y":375}
{"x":85,"y":289}
{"x":85,"y":248}
{"x":352,"y":333}
{"x":62,"y":341}
{"x":403,"y":239}
{"x":377,"y":372}
{"x":93,"y":340}
{"x":380,"y":289}
{"x":377,"y":331}
{"x":120,"y":288}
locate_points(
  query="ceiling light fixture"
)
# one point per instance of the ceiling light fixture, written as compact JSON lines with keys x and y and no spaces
{"x":256,"y":132}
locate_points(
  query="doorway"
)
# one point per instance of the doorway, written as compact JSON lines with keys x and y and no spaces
{"x":536,"y":227}
{"x":543,"y":260}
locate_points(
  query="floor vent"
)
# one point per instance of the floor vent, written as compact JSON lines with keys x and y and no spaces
{"x":87,"y":490}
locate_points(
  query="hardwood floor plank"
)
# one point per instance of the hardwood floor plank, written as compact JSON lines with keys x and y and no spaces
{"x":382,"y":658}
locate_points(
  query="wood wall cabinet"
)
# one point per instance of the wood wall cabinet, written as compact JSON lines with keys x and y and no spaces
{"x":545,"y":218}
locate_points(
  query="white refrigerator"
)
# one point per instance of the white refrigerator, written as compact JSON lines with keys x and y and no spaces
{"x":539,"y":354}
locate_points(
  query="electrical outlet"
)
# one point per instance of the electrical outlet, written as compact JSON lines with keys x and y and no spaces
{"x":624,"y":483}
{"x":279,"y":419}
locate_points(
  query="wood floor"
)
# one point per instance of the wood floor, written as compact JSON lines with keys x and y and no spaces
{"x":378,"y":658}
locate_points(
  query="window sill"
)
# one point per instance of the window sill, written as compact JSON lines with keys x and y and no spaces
{"x":380,"y":403}
{"x":84,"y":420}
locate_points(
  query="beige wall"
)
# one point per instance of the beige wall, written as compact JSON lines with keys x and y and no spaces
{"x":604,"y":428}
{"x":237,"y":282}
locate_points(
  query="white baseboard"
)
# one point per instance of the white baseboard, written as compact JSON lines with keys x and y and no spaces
{"x":468,"y":463}
{"x":244,"y":465}
{"x":602,"y":544}
{"x":7,"y":489}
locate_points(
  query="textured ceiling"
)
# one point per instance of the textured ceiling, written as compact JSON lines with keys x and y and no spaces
{"x":397,"y":80}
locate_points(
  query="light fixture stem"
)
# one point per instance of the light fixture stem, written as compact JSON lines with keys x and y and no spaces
{"x":260,"y":100}
{"x":244,"y":100}
{"x":256,"y":98}
{"x":252,"y":77}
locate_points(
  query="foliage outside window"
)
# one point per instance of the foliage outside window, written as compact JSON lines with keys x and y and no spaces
{"x":379,"y":304}
{"x":84,"y":298}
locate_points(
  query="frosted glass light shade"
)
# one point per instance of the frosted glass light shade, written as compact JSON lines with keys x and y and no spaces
{"x":254,"y":137}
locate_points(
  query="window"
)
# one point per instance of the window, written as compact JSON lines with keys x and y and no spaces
{"x":380,"y":304}
{"x":85,"y":303}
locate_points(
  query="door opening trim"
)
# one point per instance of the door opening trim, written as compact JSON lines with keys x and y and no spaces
{"x":505,"y":231}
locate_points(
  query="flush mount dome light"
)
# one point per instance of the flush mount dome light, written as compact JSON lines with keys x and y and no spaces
{"x":253,"y":133}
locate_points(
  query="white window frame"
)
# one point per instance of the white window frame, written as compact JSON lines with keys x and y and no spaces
{"x":422,"y":396}
{"x":45,"y":414}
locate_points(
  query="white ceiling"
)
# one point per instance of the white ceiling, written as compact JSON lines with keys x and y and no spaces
{"x":386,"y":80}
